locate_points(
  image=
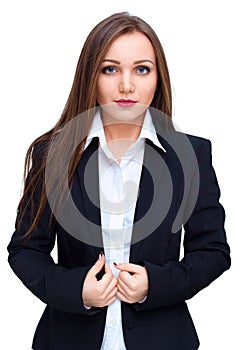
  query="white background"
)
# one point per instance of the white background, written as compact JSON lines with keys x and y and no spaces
{"x":204,"y":45}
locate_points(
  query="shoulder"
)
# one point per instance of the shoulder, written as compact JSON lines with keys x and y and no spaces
{"x":171,"y":136}
{"x":198,"y":141}
{"x":200,"y":144}
{"x":184,"y":143}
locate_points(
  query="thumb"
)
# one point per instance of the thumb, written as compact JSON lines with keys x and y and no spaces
{"x":98,"y":265}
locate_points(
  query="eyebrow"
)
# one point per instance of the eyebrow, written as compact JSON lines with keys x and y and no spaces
{"x":135,"y":62}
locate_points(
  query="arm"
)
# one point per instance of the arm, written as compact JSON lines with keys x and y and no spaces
{"x":31,"y":261}
{"x":206,"y":252}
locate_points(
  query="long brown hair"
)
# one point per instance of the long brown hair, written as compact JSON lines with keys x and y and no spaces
{"x":82,"y":98}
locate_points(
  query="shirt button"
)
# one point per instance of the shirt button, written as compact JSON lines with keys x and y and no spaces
{"x":114,"y":323}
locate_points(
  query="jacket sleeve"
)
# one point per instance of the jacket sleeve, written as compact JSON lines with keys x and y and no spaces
{"x":206,"y":252}
{"x":31,"y":261}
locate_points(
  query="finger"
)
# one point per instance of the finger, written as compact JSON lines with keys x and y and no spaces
{"x":112,"y":285}
{"x":108,"y":269}
{"x":124,"y":282}
{"x":129,"y":267}
{"x":125,"y":277}
{"x":131,"y":285}
{"x":112,"y":293}
{"x":111,"y":301}
{"x":108,"y":293}
{"x":97,"y":266}
{"x":108,"y":275}
{"x":122,"y":288}
{"x":128,"y":288}
{"x":122,"y":297}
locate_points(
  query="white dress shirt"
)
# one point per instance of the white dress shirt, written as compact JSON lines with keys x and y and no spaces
{"x":119,"y":184}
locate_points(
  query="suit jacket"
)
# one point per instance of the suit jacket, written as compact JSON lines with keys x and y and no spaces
{"x":178,"y":192}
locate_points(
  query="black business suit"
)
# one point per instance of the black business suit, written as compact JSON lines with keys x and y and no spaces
{"x":163,"y":320}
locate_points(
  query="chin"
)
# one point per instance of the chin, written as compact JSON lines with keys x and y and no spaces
{"x":114,"y":113}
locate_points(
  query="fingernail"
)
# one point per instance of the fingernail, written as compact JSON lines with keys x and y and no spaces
{"x":115,"y":263}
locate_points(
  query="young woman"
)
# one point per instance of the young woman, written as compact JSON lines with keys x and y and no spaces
{"x":116,"y":185}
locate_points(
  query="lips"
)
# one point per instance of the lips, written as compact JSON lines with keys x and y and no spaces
{"x":126,"y":102}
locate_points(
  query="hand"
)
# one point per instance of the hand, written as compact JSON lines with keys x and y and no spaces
{"x":132,"y":282}
{"x":99,"y":293}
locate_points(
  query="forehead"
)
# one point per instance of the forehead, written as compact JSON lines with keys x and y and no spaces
{"x":132,"y":46}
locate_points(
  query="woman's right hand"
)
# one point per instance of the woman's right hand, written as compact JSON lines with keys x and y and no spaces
{"x":99,"y":293}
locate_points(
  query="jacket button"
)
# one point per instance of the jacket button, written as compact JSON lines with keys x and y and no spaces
{"x":129,"y":324}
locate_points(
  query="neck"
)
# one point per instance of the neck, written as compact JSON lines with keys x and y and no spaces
{"x":121,"y":135}
{"x":116,"y":129}
{"x":122,"y":131}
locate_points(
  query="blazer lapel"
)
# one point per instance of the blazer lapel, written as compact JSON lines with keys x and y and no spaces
{"x":88,"y":175}
{"x":154,"y":169}
{"x":161,"y":192}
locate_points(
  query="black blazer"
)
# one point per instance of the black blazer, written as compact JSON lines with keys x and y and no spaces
{"x":163,"y":320}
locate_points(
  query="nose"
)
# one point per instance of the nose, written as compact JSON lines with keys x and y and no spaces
{"x":126,"y":84}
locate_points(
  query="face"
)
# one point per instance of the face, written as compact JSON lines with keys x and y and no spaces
{"x":128,"y":76}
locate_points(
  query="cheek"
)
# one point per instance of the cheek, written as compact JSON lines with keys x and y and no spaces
{"x":99,"y":93}
{"x":103,"y":91}
{"x":149,"y":92}
{"x":150,"y":86}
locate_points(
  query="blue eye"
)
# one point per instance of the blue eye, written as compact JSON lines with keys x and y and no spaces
{"x":109,"y":70}
{"x":143,"y":70}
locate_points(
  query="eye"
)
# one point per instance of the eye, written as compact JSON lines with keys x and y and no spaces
{"x":109,"y":70}
{"x":143,"y":70}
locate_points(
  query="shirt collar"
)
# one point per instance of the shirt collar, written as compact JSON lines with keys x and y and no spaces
{"x":148,"y":131}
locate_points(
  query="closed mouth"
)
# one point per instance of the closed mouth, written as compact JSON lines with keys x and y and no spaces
{"x":126,"y":102}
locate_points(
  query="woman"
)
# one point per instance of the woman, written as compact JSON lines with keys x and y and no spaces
{"x":116,"y":184}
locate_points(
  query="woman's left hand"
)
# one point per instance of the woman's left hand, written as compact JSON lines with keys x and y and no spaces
{"x":132,"y":282}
